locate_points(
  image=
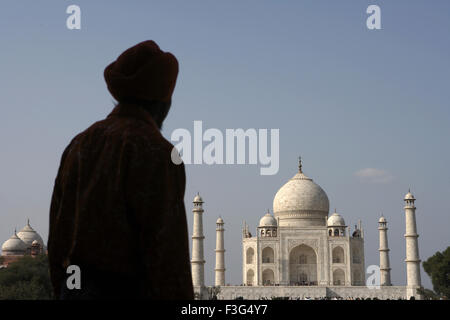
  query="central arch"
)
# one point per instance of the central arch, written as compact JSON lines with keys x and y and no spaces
{"x":303,"y":266}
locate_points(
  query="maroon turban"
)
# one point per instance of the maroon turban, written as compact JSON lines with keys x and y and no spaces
{"x":142,"y":73}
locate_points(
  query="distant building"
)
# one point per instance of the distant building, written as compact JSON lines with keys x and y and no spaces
{"x":301,"y":252}
{"x":300,"y":245}
{"x":27,"y":242}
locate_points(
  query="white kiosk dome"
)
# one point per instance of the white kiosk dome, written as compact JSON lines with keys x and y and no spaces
{"x":267,"y":220}
{"x":336,"y":220}
{"x":301,"y":202}
{"x":409,"y":196}
{"x":198,"y":199}
{"x":14,"y":246}
{"x":28,"y":235}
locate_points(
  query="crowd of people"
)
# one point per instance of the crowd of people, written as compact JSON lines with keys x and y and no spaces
{"x":324,"y":298}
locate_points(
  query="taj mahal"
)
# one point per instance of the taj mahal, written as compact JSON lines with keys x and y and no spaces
{"x":302,"y":251}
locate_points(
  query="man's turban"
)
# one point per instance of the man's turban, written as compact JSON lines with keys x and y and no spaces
{"x":142,"y":73}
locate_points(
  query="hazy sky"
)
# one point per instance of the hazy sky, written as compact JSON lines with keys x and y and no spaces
{"x":345,"y":98}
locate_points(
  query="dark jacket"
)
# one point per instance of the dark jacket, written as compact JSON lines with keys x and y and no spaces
{"x":118,"y":208}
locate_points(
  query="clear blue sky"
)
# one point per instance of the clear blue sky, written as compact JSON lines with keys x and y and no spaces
{"x":344,"y":97}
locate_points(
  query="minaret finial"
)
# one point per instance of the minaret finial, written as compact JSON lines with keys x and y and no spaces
{"x":300,"y":164}
{"x":28,"y":221}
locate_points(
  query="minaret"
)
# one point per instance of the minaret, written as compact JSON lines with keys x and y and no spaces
{"x":412,"y":247}
{"x":220,"y":253}
{"x":360,"y":228}
{"x":198,"y":261}
{"x":385,"y":270}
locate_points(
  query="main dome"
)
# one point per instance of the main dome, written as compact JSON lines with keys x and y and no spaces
{"x":301,"y":202}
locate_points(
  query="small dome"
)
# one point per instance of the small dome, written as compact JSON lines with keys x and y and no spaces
{"x":409,"y":196}
{"x":219,"y":221}
{"x":336,"y":220}
{"x":35,"y":242}
{"x":382,"y":219}
{"x":28,"y":235}
{"x":14,"y":246}
{"x":268,"y":221}
{"x":198,"y":198}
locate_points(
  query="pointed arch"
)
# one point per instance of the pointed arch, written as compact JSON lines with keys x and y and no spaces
{"x":268,"y":255}
{"x":303,"y":265}
{"x":338,"y":277}
{"x":338,"y":255}
{"x":250,"y":255}
{"x":268,"y":277}
{"x":250,"y":277}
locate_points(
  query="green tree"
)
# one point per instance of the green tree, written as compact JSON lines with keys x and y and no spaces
{"x":438,"y":268}
{"x":428,"y":294}
{"x":26,"y":279}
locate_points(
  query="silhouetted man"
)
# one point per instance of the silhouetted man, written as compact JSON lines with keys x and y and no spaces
{"x":117,"y":208}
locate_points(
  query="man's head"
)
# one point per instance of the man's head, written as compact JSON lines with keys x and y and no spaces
{"x":144,"y":75}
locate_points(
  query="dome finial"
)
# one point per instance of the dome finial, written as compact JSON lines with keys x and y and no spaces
{"x":28,"y":221}
{"x":300,"y":164}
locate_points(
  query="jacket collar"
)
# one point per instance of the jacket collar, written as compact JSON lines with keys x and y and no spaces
{"x":134,"y":111}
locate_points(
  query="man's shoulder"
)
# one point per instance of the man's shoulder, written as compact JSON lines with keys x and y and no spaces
{"x":129,"y":129}
{"x":133,"y":134}
{"x":147,"y":137}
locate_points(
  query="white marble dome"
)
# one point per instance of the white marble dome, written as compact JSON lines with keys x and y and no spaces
{"x":219,"y":221}
{"x":301,"y":202}
{"x":28,"y":235}
{"x":336,"y":220}
{"x":267,"y":221}
{"x":382,"y":219}
{"x":198,"y":198}
{"x":409,"y":196}
{"x":14,"y":246}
